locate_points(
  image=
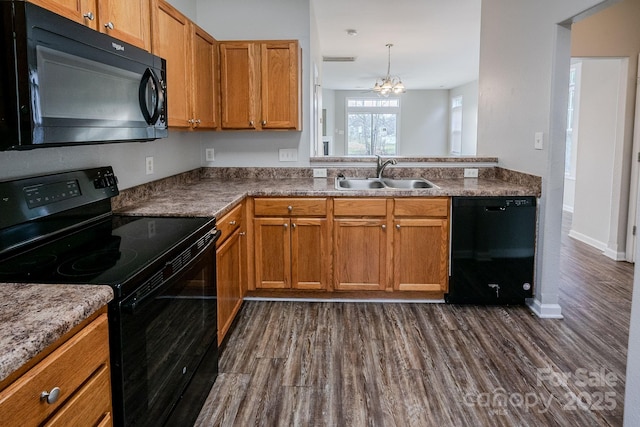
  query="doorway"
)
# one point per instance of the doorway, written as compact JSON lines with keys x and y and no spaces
{"x":594,"y":170}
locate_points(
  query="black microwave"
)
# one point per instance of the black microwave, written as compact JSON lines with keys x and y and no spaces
{"x":62,"y":83}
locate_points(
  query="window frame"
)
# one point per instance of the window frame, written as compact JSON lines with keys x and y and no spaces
{"x":373,"y":110}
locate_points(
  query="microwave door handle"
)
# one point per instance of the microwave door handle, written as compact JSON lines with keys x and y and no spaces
{"x":151,"y":117}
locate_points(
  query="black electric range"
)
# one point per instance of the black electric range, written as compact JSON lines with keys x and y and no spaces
{"x":59,"y":229}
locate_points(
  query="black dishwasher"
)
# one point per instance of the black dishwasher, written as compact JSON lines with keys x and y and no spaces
{"x":492,"y":250}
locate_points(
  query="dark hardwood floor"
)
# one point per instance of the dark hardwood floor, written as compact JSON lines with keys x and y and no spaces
{"x":389,"y":364}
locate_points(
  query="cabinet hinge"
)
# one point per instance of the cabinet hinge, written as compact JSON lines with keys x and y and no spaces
{"x":638,"y":156}
{"x":633,"y":230}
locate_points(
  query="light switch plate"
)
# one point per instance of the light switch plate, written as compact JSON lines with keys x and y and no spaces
{"x":288,"y":154}
{"x":538,"y":141}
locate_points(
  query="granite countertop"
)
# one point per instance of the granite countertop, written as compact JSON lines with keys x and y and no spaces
{"x":32,"y":317}
{"x":216,"y":196}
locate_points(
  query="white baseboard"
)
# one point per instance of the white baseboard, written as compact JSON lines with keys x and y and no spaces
{"x":545,"y":311}
{"x":588,"y":240}
{"x":615,"y":255}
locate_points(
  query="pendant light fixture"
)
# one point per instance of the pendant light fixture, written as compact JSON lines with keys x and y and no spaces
{"x":388,"y":85}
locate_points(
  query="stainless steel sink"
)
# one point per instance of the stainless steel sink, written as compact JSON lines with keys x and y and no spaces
{"x":358,"y":183}
{"x":383,"y":183}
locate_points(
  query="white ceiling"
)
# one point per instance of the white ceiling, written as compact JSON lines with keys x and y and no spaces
{"x":436,"y":42}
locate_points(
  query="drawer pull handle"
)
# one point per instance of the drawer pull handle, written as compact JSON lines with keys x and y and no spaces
{"x":289,"y":208}
{"x":232,"y":223}
{"x":52,"y":396}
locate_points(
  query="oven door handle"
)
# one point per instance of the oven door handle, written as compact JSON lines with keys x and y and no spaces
{"x":132,"y":304}
{"x":151,"y":97}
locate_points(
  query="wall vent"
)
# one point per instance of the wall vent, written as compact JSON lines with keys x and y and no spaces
{"x":338,"y":58}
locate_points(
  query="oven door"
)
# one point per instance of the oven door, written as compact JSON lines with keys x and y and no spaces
{"x":168,"y":348}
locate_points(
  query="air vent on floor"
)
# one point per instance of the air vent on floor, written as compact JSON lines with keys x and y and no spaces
{"x":338,"y":58}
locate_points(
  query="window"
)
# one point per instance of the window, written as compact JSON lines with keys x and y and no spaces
{"x":372,"y":126}
{"x":456,"y":125}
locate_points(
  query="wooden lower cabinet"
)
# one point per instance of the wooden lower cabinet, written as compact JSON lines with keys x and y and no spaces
{"x":360,"y":254}
{"x":79,"y":368}
{"x":291,"y":253}
{"x":421,"y":244}
{"x":231,"y":268}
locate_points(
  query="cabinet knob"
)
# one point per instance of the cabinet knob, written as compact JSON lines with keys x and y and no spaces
{"x":264,"y":123}
{"x":198,"y":121}
{"x":191,"y":121}
{"x":285,"y":225}
{"x":251,"y":123}
{"x":290,"y":208}
{"x":232,"y":223}
{"x":89,"y":16}
{"x":293,"y":225}
{"x":398,"y":226}
{"x":109,"y":25}
{"x":384,"y":227}
{"x":51,"y":396}
{"x":242,"y":233}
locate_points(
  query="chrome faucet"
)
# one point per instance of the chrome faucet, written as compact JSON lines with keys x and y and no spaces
{"x":381,"y":166}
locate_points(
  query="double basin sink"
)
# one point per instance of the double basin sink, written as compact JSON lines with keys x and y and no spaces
{"x":382,"y":183}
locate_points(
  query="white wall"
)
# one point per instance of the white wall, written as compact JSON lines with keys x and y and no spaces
{"x":523,"y":80}
{"x":255,"y":20}
{"x":424,"y":121}
{"x":600,"y":132}
{"x":180,"y":152}
{"x":469,"y":93}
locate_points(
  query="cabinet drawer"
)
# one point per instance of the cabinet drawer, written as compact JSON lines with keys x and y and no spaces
{"x":68,"y":367}
{"x":359,"y":207}
{"x":290,"y":207}
{"x":90,"y":405}
{"x":230,"y":222}
{"x":422,"y":207}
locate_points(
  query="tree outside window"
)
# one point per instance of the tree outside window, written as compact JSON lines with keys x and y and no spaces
{"x":372,"y":126}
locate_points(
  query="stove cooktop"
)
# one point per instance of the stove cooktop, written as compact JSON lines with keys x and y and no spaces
{"x":109,"y":252}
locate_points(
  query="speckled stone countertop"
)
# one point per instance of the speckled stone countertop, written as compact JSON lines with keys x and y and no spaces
{"x":216,"y":196}
{"x":32,"y":317}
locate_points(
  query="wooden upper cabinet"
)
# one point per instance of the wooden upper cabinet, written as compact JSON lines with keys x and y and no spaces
{"x":280,"y":85}
{"x":205,"y":69}
{"x":260,"y":85}
{"x":126,"y":20}
{"x":82,"y":11}
{"x":191,"y":56}
{"x":238,"y":85}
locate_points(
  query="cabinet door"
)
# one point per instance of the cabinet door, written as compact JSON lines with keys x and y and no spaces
{"x":171,"y":41}
{"x":310,"y":262}
{"x":280,"y":85}
{"x":229,"y":277}
{"x":204,"y":54}
{"x":127,"y":20}
{"x":238,"y":85}
{"x":82,"y":11}
{"x":359,"y":254}
{"x":421,"y":252}
{"x":272,"y":253}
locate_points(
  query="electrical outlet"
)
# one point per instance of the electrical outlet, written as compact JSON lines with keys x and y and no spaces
{"x":288,"y":154}
{"x":470,"y":172}
{"x":320,"y":173}
{"x":149,"y":165}
{"x":209,"y":155}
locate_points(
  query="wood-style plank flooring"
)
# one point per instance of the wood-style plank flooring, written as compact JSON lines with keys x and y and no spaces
{"x":385,"y":364}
